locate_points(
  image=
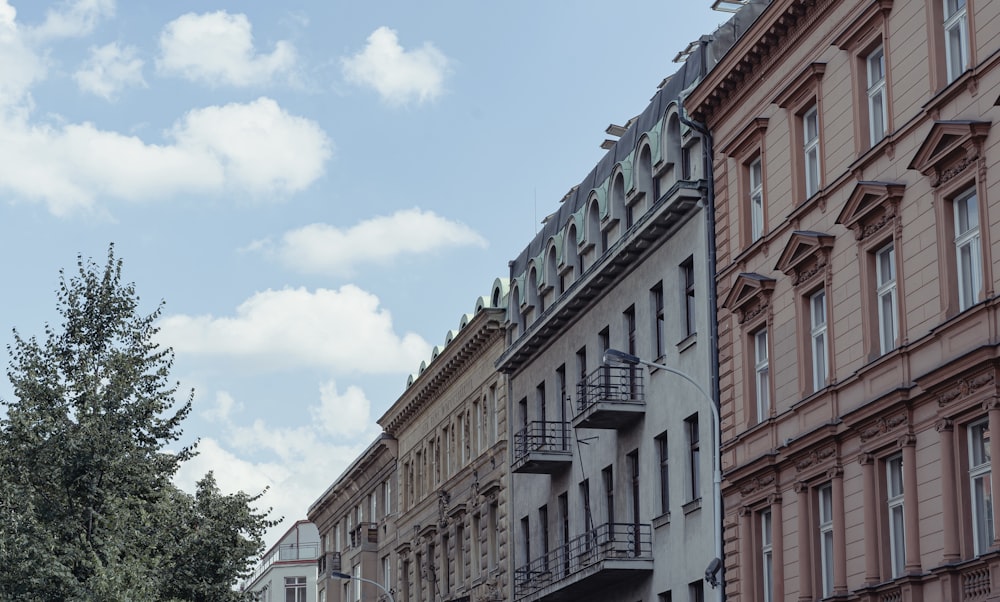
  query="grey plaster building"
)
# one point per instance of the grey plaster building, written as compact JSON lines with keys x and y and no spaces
{"x":612,"y":465}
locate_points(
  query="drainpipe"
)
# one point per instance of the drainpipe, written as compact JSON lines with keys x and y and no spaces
{"x":707,"y":152}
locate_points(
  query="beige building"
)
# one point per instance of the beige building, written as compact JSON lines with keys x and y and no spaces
{"x":857,"y":299}
{"x":612,"y":464}
{"x":355,"y":517}
{"x":451,"y":429}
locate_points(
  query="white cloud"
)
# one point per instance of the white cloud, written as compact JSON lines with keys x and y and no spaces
{"x":21,"y":65}
{"x":73,"y":19}
{"x":398,"y":75}
{"x":347,"y":414}
{"x":325,"y":249}
{"x":222,"y":408}
{"x":255,"y":148}
{"x":217,"y":47}
{"x":109,"y":70}
{"x":342,"y":329}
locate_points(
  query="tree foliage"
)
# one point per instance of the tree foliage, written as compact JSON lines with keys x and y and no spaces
{"x":90,"y":511}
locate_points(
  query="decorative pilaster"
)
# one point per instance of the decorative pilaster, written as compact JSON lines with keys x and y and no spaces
{"x":777,"y":549}
{"x":911,"y":514}
{"x":804,"y":549}
{"x":949,"y":502}
{"x":867,"y":462}
{"x":839,"y":533}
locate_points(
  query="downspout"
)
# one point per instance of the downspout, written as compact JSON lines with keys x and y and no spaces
{"x":707,"y":153}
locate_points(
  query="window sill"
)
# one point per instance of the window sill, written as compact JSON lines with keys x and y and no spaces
{"x":687,"y":342}
{"x":661,"y":520}
{"x":692,"y":506}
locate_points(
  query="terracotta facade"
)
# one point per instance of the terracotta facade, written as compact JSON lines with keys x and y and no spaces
{"x":857,"y":222}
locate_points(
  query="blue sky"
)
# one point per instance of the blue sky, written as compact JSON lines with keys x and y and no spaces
{"x":317,"y":190}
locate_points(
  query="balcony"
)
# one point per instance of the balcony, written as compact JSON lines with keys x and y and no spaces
{"x":542,"y":448}
{"x":611,"y":397}
{"x":365,"y":536}
{"x":609,"y":554}
{"x":328,"y":563}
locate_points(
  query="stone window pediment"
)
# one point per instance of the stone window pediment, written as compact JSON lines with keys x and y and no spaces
{"x":803,"y":87}
{"x":806,"y":255}
{"x":868,"y":24}
{"x":949,"y":148}
{"x":750,"y":296}
{"x":871,"y":206}
{"x":748,"y":140}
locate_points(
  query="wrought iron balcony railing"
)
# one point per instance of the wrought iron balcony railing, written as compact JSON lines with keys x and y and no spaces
{"x":609,"y":541}
{"x":612,"y":384}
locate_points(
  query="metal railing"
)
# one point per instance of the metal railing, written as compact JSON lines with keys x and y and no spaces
{"x":608,"y":541}
{"x":541,"y":436}
{"x":616,"y":384}
{"x":284,"y":552}
{"x":328,"y":563}
{"x":364,"y":533}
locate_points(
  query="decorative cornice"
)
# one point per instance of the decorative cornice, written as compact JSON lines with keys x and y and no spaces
{"x":881,"y":426}
{"x":814,"y":457}
{"x":964,"y":388}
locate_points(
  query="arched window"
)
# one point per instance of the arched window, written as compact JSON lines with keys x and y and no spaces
{"x":644,"y":176}
{"x":573,"y":252}
{"x":618,"y":209}
{"x":594,"y":228}
{"x":672,"y":146}
{"x":552,"y":272}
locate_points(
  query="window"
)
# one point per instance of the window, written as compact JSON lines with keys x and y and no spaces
{"x":295,"y":589}
{"x":956,"y":36}
{"x":540,"y":406}
{"x":474,"y":540}
{"x":694,"y":456}
{"x":967,"y":253}
{"x":894,"y":500}
{"x":563,"y":507}
{"x":825,"y":498}
{"x":445,"y":563}
{"x":372,"y":507}
{"x":543,"y":521}
{"x":494,"y":415}
{"x":635,"y":497}
{"x":460,"y":554}
{"x":355,"y":582}
{"x":418,"y":585}
{"x":810,"y":150}
{"x":877,"y":106}
{"x":386,"y":572}
{"x":696,"y":591}
{"x":588,"y":517}
{"x":818,"y":338}
{"x":664,"y":461}
{"x":762,"y":379}
{"x":885,"y":289}
{"x":766,"y":556}
{"x":608,"y":477}
{"x":979,"y":485}
{"x":525,"y":541}
{"x":493,"y":537}
{"x":687,"y":279}
{"x":656,"y":294}
{"x":755,"y":175}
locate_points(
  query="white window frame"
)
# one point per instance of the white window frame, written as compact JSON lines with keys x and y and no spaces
{"x":811,"y":150}
{"x":878,"y":117}
{"x":956,"y":38}
{"x":767,"y":556}
{"x":387,"y":571}
{"x":824,"y":496}
{"x":756,"y":180}
{"x":356,"y":574}
{"x":896,"y":519}
{"x":968,"y":254}
{"x":885,"y":291}
{"x":980,"y":486}
{"x":762,"y":376}
{"x":818,"y":339}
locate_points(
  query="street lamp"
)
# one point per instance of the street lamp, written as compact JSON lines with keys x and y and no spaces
{"x":362,"y":579}
{"x":615,"y":356}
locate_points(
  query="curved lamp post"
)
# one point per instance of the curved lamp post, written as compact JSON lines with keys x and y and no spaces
{"x":362,"y":579}
{"x":713,"y":571}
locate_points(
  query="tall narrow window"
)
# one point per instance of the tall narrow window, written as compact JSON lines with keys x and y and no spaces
{"x":687,"y":279}
{"x":588,"y":516}
{"x":979,"y":485}
{"x":825,"y":499}
{"x":877,"y":106}
{"x":543,"y":522}
{"x":656,"y":294}
{"x":755,"y":174}
{"x":762,"y":379}
{"x":956,"y":37}
{"x":564,"y":533}
{"x":630,"y":346}
{"x":493,"y":536}
{"x":967,"y":252}
{"x":405,"y":577}
{"x":817,"y":320}
{"x":356,"y":582}
{"x":894,"y":499}
{"x":446,"y":557}
{"x":542,"y":414}
{"x":386,"y":571}
{"x":810,"y":149}
{"x":494,"y":415}
{"x":459,"y":554}
{"x":474,"y":544}
{"x":664,"y":460}
{"x":885,"y":282}
{"x":608,"y":476}
{"x":635,"y":497}
{"x":766,"y":557}
{"x":525,"y":541}
{"x":696,"y":591}
{"x":694,"y":456}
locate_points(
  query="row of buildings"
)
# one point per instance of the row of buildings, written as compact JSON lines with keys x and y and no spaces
{"x":789,"y":253}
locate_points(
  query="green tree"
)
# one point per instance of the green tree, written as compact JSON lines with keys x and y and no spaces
{"x":85,"y":473}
